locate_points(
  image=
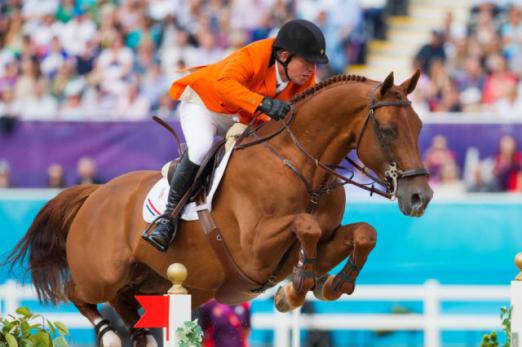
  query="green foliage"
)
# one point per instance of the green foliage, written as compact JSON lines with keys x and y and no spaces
{"x":27,"y":329}
{"x":491,"y":340}
{"x":190,"y":334}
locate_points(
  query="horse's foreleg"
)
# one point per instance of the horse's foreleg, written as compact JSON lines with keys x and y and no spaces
{"x":292,"y":295}
{"x":354,"y":240}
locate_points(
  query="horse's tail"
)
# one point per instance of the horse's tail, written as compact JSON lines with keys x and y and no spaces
{"x":44,"y":243}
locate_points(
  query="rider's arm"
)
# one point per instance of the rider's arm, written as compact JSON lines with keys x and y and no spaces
{"x":230,"y":85}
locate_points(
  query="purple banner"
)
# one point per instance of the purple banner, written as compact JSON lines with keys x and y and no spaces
{"x":121,"y":147}
{"x":116,"y":148}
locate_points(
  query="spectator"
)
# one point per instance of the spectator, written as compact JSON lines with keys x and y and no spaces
{"x":166,"y":107}
{"x":225,"y":325}
{"x":10,"y":76}
{"x":5,"y":174}
{"x":65,"y":11}
{"x":518,"y":183}
{"x":172,"y":53}
{"x":85,"y":60}
{"x":437,"y":155}
{"x":470,"y":84}
{"x":450,"y":100}
{"x":98,"y":103}
{"x":77,"y":32}
{"x":154,"y":85}
{"x":64,"y":75}
{"x":40,"y":106}
{"x":114,"y":65}
{"x":480,"y":184}
{"x":72,"y":106}
{"x":511,"y":34}
{"x":449,"y":182}
{"x":55,"y":176}
{"x":499,"y":81}
{"x":13,"y":35}
{"x":9,"y":106}
{"x":44,"y":32}
{"x":55,"y":57}
{"x":509,"y":106}
{"x":432,"y":51}
{"x":86,"y":171}
{"x":508,"y":163}
{"x":133,"y":105}
{"x":26,"y":83}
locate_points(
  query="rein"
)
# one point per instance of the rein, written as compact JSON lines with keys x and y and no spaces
{"x":392,"y":174}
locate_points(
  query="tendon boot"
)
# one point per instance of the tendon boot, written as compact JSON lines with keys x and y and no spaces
{"x":166,"y":229}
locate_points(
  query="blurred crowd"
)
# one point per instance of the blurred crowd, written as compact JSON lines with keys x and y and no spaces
{"x":115,"y":59}
{"x":476,"y":66}
{"x":85,"y":172}
{"x":501,"y":172}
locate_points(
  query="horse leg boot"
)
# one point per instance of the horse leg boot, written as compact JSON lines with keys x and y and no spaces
{"x":166,"y":228}
{"x":292,"y":295}
{"x":105,"y":334}
{"x":356,"y":239}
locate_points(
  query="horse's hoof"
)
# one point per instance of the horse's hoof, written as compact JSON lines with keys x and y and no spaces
{"x":319,"y":286}
{"x":281,"y":301}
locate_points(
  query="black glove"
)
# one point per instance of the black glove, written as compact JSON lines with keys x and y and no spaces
{"x":274,"y":108}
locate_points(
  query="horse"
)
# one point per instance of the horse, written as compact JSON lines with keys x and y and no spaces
{"x":279,"y":208}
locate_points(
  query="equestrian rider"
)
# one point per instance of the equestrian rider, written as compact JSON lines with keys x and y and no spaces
{"x":262,"y":76}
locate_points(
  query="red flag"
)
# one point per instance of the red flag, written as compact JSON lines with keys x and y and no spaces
{"x":156,"y":311}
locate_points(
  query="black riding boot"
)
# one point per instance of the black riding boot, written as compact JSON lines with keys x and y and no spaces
{"x":165,"y":230}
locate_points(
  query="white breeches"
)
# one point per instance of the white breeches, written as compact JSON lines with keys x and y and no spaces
{"x":200,"y":126}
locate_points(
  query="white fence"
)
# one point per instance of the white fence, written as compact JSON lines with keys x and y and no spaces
{"x":287,"y":326}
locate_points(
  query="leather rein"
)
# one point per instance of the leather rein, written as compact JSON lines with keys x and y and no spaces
{"x":392,"y":174}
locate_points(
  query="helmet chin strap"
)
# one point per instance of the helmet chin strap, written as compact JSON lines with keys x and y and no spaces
{"x":285,"y":64}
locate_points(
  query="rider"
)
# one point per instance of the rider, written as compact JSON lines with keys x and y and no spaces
{"x":262,"y":76}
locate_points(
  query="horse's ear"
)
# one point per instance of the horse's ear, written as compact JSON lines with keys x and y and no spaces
{"x":409,"y":85}
{"x":387,"y":84}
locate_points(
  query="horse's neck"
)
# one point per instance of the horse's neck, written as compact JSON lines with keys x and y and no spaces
{"x":327,"y":123}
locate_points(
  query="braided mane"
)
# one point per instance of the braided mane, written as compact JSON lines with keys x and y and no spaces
{"x":328,"y":82}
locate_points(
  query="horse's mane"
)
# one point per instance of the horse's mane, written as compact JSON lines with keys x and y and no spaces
{"x":327,"y":82}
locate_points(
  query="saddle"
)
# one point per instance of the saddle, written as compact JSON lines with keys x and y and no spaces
{"x":204,"y":177}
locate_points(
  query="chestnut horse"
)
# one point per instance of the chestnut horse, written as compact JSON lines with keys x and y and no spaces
{"x":278,"y":208}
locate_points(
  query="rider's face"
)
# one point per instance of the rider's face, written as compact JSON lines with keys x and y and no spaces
{"x":299,"y":69}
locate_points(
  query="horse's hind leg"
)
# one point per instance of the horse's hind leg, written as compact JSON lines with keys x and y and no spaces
{"x":105,"y":335}
{"x":292,"y":295}
{"x":127,"y":307}
{"x":354,"y":240}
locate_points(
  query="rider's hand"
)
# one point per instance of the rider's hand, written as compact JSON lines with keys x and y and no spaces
{"x":274,"y":108}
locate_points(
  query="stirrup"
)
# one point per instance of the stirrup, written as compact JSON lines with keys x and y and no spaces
{"x":148,"y":231}
{"x":146,"y":234}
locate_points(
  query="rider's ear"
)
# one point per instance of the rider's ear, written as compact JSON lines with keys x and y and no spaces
{"x":409,"y":85}
{"x":387,"y":84}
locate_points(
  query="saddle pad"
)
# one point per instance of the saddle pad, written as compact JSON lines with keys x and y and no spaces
{"x":156,"y":200}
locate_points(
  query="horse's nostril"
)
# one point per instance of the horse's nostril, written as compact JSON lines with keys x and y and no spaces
{"x":416,"y":200}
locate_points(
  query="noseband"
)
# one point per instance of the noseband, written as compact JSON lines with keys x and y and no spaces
{"x":393,"y":173}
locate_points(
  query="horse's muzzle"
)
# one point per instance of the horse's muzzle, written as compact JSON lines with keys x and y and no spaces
{"x":414,"y":195}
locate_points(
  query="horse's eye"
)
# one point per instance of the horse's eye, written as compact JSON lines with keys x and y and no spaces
{"x":389,"y":132}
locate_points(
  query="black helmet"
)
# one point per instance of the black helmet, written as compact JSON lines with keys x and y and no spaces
{"x":302,"y":38}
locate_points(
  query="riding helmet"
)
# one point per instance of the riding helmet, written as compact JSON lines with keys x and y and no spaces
{"x":302,"y":38}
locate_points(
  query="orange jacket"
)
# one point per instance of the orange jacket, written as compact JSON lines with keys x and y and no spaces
{"x":238,"y":83}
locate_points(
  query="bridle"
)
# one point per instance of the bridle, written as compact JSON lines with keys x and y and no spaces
{"x":392,"y":174}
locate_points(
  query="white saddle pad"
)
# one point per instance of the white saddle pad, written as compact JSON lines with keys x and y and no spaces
{"x":156,"y":200}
